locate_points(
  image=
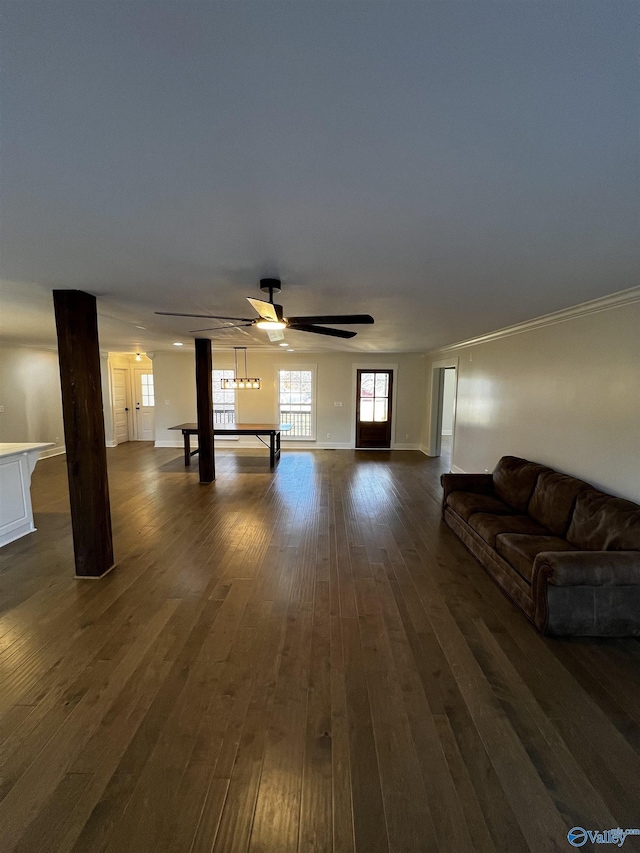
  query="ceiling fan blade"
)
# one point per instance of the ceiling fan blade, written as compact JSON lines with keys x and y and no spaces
{"x":204,"y":316}
{"x":320,"y":330}
{"x":217,"y":328}
{"x":267,"y":310}
{"x":349,"y":319}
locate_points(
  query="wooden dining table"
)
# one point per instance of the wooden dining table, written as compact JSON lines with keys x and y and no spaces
{"x":272,"y":431}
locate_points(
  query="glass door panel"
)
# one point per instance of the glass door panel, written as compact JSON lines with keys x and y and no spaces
{"x":373,"y":408}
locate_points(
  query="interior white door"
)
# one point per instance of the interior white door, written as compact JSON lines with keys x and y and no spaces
{"x":145,"y":404}
{"x":121,"y":404}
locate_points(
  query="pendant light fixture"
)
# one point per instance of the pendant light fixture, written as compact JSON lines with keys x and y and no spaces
{"x":240,"y":383}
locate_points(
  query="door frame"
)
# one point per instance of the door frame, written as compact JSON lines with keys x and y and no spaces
{"x":355,"y":367}
{"x":134,"y":409}
{"x":123,"y":361}
{"x":434,"y":446}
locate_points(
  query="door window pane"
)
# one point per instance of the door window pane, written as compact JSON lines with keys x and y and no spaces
{"x":374,"y":397}
{"x":382,"y":384}
{"x":380,"y":409}
{"x":146,"y":380}
{"x":367,"y":384}
{"x":366,"y":410}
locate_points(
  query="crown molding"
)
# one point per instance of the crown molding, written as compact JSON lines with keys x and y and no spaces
{"x":594,"y":306}
{"x":8,"y":344}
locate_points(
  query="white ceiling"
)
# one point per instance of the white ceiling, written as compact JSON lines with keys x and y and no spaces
{"x":449,"y":167}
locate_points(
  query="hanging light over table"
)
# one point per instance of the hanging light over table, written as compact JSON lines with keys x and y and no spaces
{"x":240,"y":383}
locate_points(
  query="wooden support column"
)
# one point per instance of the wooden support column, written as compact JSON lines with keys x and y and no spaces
{"x":79,"y":357}
{"x":204,"y":393}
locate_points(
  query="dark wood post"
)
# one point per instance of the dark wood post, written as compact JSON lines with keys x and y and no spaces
{"x":79,"y":357}
{"x":204,"y":394}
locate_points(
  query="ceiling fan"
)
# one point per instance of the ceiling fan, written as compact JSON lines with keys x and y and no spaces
{"x":270,"y":316}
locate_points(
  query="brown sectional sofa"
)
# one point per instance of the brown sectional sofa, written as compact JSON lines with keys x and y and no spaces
{"x":566,"y":553}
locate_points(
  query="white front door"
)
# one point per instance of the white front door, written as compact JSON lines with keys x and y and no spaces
{"x":145,"y":404}
{"x":121,"y":404}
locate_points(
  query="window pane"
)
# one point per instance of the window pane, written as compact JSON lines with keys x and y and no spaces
{"x":285,"y":376}
{"x":382,"y":384}
{"x":366,"y":384}
{"x":366,"y":410}
{"x":295,"y":402}
{"x":224,"y":399}
{"x":380,"y":409}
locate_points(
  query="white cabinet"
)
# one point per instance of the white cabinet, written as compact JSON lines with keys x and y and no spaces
{"x":17,"y":462}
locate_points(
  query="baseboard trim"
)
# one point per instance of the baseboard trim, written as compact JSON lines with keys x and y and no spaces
{"x":52,"y":451}
{"x":95,"y":577}
{"x":289,"y":444}
{"x":111,"y":443}
{"x":292,"y":444}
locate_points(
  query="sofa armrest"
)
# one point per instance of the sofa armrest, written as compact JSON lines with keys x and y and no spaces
{"x":477,"y":483}
{"x":587,"y":593}
{"x":588,"y":568}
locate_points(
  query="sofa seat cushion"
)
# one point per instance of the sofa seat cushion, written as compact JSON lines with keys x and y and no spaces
{"x":465,"y":504}
{"x":489,"y":526}
{"x":514,"y":480}
{"x":554,"y":499}
{"x":520,"y":550}
{"x":601,"y":522}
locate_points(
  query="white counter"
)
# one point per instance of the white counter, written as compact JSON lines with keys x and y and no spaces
{"x":17,"y":461}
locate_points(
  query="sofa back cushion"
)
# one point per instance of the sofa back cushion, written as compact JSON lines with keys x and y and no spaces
{"x":514,"y":480}
{"x":604,"y":523}
{"x":553,"y":500}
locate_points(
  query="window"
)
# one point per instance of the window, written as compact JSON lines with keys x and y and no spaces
{"x":148,"y":398}
{"x":374,"y":396}
{"x":296,"y":402}
{"x":224,"y":402}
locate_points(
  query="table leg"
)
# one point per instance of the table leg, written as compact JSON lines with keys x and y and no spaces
{"x":272,"y":450}
{"x":187,"y":448}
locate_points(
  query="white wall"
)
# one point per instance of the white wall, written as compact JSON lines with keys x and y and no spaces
{"x":175,"y":391}
{"x":566,"y":394}
{"x":174,"y":377}
{"x":30,"y":394}
{"x":32,"y":399}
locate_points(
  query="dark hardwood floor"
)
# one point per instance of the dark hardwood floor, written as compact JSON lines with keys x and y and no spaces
{"x":300,"y":661}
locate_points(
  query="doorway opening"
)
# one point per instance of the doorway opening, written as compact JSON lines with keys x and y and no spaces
{"x":443,"y":409}
{"x":132,"y":397}
{"x":448,"y":402}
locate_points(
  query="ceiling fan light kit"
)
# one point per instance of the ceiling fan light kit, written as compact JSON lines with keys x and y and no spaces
{"x":271,"y":317}
{"x":240,"y":383}
{"x":271,"y":324}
